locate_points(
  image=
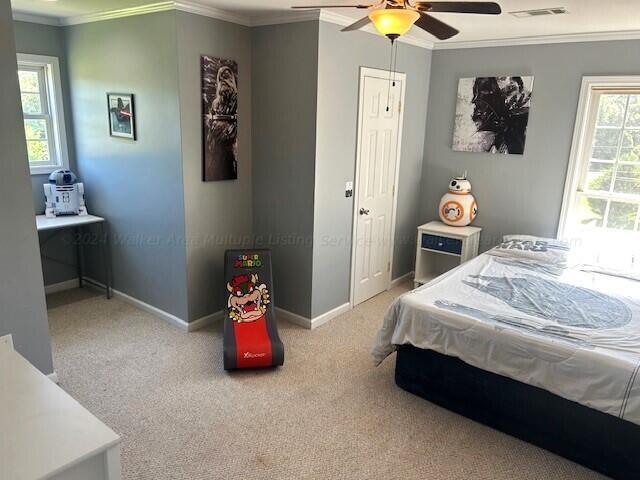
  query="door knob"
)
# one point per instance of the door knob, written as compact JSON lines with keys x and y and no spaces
{"x":364,"y":211}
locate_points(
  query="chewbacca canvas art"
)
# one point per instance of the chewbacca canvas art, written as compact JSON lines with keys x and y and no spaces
{"x":220,"y":120}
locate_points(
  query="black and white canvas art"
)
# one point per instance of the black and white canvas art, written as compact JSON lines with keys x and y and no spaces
{"x":220,"y":118}
{"x":492,"y":114}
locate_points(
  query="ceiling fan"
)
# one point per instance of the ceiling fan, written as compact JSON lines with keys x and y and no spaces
{"x":394,"y":18}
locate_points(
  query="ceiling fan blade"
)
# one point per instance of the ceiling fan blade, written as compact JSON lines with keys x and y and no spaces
{"x":363,"y":22}
{"x":435,"y":27}
{"x":331,"y":6}
{"x":486,"y":8}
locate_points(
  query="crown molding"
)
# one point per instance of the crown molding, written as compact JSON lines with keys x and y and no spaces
{"x":290,"y":17}
{"x":543,"y":40}
{"x":121,"y":13}
{"x":337,"y":18}
{"x":331,"y":17}
{"x":415,"y":41}
{"x":212,"y":12}
{"x":19,"y":16}
{"x":197,"y":8}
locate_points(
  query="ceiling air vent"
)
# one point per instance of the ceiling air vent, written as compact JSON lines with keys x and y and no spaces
{"x":539,"y":12}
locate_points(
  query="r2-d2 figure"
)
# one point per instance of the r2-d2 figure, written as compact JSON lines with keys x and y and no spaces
{"x":64,"y":196}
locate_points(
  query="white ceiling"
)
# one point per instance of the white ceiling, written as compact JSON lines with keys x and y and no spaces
{"x":586,"y":16}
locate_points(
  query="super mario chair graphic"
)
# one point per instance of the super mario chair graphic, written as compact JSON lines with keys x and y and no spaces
{"x":250,"y":332}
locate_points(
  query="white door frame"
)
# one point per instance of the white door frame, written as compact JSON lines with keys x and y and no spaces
{"x":384,"y":74}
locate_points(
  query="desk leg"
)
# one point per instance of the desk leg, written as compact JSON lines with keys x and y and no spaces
{"x":79,"y":254}
{"x":106,"y":256}
{"x":112,"y":463}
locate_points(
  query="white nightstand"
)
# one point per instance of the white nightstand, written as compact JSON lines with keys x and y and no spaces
{"x":441,"y":248}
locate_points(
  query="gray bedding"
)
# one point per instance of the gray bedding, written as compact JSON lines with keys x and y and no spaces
{"x":574,"y":333}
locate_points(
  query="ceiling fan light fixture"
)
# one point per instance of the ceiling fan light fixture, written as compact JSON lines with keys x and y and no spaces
{"x":393,"y":22}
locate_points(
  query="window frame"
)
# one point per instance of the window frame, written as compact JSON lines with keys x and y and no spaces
{"x":48,"y":69}
{"x":588,"y":103}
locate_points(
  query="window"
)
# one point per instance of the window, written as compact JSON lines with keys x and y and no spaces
{"x":601,"y":206}
{"x":41,"y":96}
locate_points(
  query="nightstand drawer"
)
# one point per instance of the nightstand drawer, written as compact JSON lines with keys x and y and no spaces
{"x":442,"y":244}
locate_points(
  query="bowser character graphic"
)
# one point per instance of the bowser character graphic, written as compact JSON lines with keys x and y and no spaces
{"x":248,"y":299}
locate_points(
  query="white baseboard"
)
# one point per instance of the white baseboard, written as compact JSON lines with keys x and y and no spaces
{"x":331,"y":314}
{"x":62,"y":286}
{"x":157,"y":312}
{"x":205,"y":321}
{"x":6,"y":343}
{"x":397,"y":281}
{"x":312,"y":323}
{"x":293,"y":318}
{"x":309,"y":323}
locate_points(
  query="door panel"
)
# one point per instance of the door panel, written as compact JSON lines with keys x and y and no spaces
{"x":384,"y":182}
{"x":377,"y":158}
{"x":367,"y":225}
{"x":370,"y":166}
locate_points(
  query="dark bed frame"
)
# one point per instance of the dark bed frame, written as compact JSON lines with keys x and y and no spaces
{"x":594,"y":439}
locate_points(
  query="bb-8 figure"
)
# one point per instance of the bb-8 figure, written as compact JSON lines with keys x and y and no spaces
{"x":458,"y":207}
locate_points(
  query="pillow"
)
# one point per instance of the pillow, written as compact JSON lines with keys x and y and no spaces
{"x":545,"y":250}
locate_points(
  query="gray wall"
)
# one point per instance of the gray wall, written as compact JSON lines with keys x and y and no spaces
{"x":217,"y":214}
{"x":516,"y":193}
{"x":23,"y":312}
{"x":284,"y":80}
{"x":47,"y":40}
{"x":340,"y":58}
{"x":136,"y":185}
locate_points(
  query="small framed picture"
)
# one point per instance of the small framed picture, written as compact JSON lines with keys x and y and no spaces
{"x":122,"y":122}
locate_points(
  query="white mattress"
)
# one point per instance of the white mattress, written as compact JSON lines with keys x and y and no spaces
{"x":571,"y":332}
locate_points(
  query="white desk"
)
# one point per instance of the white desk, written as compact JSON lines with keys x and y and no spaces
{"x":46,"y":434}
{"x":76,"y":222}
{"x":70,"y":221}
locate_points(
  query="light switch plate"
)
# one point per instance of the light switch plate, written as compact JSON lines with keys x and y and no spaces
{"x":348,"y":189}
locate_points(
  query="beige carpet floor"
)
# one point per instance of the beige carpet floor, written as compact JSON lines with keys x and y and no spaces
{"x":327,"y":414}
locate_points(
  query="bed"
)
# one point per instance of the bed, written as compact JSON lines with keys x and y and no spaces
{"x":521,"y":341}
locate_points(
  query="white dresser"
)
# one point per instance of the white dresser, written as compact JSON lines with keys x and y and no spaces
{"x":46,"y":434}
